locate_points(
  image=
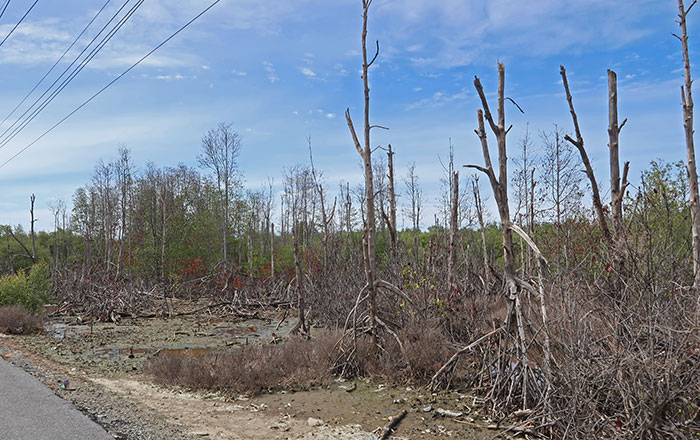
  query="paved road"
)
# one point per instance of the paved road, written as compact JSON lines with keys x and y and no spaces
{"x":30,"y":411}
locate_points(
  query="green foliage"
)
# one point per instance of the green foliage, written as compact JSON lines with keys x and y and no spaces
{"x":30,"y":291}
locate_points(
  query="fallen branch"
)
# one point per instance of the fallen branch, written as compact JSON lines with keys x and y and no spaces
{"x":389,"y":429}
{"x":461,"y":351}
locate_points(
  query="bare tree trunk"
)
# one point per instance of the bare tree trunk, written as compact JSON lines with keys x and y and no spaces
{"x":514,"y":320}
{"x":578,"y":143}
{"x":617,"y":188}
{"x":480,"y":217}
{"x":31,"y":227}
{"x":250,"y":247}
{"x":392,"y":201}
{"x":687,"y":96}
{"x":272,"y":252}
{"x":452,"y":259}
{"x":163,"y":234}
{"x":300,"y":326}
{"x":366,"y":154}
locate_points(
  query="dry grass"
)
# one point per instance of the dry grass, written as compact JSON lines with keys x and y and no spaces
{"x":296,"y":363}
{"x":16,"y":320}
{"x":299,"y":363}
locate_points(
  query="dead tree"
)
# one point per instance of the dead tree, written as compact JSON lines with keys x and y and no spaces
{"x":578,"y":143}
{"x":514,"y":322}
{"x":617,"y":187}
{"x":365,"y":153}
{"x":326,"y":214}
{"x":454,"y":210}
{"x":687,"y":100}
{"x":392,"y":200}
{"x":220,"y":149}
{"x":31,"y":227}
{"x":415,"y":195}
{"x":482,"y":227}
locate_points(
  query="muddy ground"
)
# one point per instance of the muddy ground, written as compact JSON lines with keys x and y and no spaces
{"x":104,"y":365}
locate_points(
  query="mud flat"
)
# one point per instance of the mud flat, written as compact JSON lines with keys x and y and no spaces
{"x":104,"y":364}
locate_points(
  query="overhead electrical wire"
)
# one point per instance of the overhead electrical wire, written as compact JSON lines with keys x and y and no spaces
{"x":99,"y":92}
{"x":19,"y":22}
{"x":4,"y":8}
{"x":24,"y":120}
{"x":56,"y":63}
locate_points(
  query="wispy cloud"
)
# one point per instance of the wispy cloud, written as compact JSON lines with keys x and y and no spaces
{"x":271,"y":72}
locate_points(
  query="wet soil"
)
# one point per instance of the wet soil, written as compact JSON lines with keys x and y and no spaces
{"x":105,"y":363}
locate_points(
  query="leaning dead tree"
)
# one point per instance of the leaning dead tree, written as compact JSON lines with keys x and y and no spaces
{"x":618,"y":184}
{"x":687,"y":100}
{"x":578,"y":143}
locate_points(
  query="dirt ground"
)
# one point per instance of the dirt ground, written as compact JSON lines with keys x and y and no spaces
{"x":104,"y":364}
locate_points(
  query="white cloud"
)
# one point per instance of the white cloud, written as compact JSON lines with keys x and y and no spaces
{"x":330,"y":115}
{"x":308,"y":72}
{"x":239,"y":73}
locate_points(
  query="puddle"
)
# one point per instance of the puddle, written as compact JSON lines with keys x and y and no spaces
{"x":188,"y":352}
{"x":61,"y":330}
{"x":116,"y":353}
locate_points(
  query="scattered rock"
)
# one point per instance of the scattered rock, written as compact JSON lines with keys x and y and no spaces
{"x":448,"y":413}
{"x":427,"y":409}
{"x":313,"y":422}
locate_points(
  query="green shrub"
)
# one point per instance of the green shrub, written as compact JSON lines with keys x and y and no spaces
{"x":30,"y":291}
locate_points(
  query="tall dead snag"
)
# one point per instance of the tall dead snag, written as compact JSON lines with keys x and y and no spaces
{"x":366,"y":155}
{"x":326,"y":215}
{"x":31,"y":227}
{"x":617,"y":188}
{"x":515,"y":319}
{"x":578,"y":143}
{"x":687,"y":100}
{"x":500,"y":184}
{"x":454,"y":210}
{"x":392,"y":200}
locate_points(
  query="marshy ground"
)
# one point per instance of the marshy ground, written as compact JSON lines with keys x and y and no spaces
{"x":106,"y":365}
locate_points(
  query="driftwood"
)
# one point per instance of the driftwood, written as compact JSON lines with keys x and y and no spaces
{"x":389,"y":429}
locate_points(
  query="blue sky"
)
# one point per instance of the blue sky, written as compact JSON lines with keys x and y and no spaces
{"x":280,"y":71}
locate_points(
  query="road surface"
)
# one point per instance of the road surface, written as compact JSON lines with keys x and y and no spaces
{"x":30,"y":411}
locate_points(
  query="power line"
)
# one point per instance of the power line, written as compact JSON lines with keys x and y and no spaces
{"x":4,"y":8}
{"x":24,"y":121}
{"x":20,"y":20}
{"x":110,"y":83}
{"x":55,"y":64}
